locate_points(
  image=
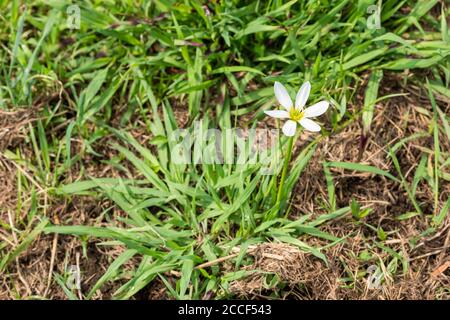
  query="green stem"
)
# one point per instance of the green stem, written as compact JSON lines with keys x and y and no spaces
{"x":287,"y":159}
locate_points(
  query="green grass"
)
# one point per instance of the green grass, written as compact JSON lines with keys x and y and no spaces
{"x":145,"y":57}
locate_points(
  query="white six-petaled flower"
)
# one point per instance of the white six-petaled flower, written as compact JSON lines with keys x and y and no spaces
{"x":295,"y":113}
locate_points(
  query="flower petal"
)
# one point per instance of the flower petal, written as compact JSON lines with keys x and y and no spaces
{"x":280,"y":114}
{"x":282,"y":95}
{"x":309,"y":125}
{"x":302,"y":95}
{"x":316,"y":109}
{"x":289,"y":128}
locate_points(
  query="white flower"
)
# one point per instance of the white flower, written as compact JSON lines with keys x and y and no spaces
{"x":296,"y":113}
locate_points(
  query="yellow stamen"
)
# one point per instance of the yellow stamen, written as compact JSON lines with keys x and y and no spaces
{"x":296,"y":114}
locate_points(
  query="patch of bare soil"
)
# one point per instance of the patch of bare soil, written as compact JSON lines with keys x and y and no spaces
{"x":7,"y":186}
{"x":13,"y":130}
{"x":156,"y":290}
{"x":14,"y":126}
{"x":286,"y":262}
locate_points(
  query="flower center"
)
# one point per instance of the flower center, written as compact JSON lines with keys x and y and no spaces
{"x":296,"y":114}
